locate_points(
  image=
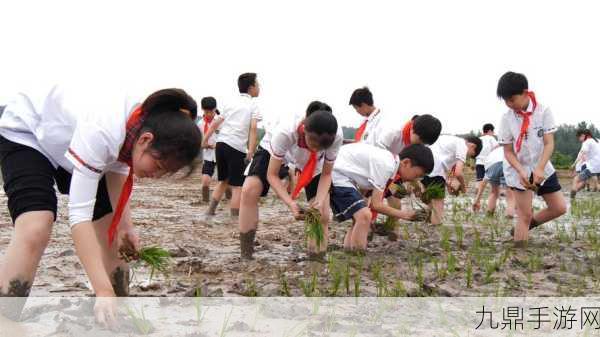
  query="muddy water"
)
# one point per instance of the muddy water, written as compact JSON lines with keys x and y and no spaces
{"x":424,"y":261}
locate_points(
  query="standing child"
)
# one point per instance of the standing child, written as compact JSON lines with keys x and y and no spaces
{"x":90,"y":147}
{"x":489,"y":143}
{"x":450,"y":154}
{"x":209,"y":108}
{"x":309,"y":143}
{"x":527,"y":134}
{"x":494,"y":174}
{"x":590,"y":156}
{"x":364,"y":167}
{"x":236,"y":142}
{"x":362,"y":101}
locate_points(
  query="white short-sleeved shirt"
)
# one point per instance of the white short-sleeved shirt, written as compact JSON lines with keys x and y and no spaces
{"x":496,"y":156}
{"x":541,"y":123}
{"x":372,"y":125}
{"x":590,"y":150}
{"x":388,"y":134}
{"x":489,"y":143}
{"x":581,"y":161}
{"x":208,"y":154}
{"x":447,"y":150}
{"x":282,"y":143}
{"x":74,"y":130}
{"x":364,"y":166}
{"x":237,"y":115}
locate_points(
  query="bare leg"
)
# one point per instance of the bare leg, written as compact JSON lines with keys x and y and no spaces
{"x":249,"y":214}
{"x":116,"y":268}
{"x":216,"y":197}
{"x":206,"y":180}
{"x":510,"y":203}
{"x":437,"y":214}
{"x":556,"y":206}
{"x":493,"y":199}
{"x":234,"y":204}
{"x":523,"y":201}
{"x":21,"y":259}
{"x":360,"y":230}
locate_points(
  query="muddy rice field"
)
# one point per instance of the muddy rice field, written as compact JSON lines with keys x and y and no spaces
{"x":470,"y":255}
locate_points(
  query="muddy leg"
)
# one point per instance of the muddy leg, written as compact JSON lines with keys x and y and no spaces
{"x":21,"y":259}
{"x":247,"y":244}
{"x":116,"y":268}
{"x":205,"y":194}
{"x":119,"y":279}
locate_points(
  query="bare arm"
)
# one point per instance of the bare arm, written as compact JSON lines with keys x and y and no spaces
{"x":211,"y":129}
{"x":538,"y":173}
{"x":252,"y":138}
{"x":459,"y":167}
{"x":379,"y":206}
{"x":275,"y":182}
{"x":324,"y":184}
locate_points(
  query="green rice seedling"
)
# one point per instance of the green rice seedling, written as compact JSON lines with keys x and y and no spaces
{"x":445,"y":238}
{"x":490,"y":268}
{"x":390,"y":224}
{"x":529,"y":280}
{"x":139,"y":320}
{"x":336,"y":279}
{"x":347,"y":279}
{"x":435,"y":191}
{"x":534,"y":262}
{"x":398,"y":290}
{"x":405,"y":233}
{"x":251,"y":289}
{"x":575,"y":232}
{"x":451,"y":263}
{"x":563,"y":236}
{"x":284,"y":288}
{"x":223,"y":332}
{"x":313,"y":226}
{"x":156,"y":258}
{"x":357,"y":284}
{"x":198,"y":306}
{"x":460,"y":235}
{"x":309,"y":287}
{"x":469,"y":273}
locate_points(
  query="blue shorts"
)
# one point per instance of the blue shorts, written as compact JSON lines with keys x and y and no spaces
{"x":495,"y":175}
{"x":345,"y":201}
{"x":586,"y":174}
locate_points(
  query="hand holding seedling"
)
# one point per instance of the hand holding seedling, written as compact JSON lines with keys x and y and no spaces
{"x":538,"y":176}
{"x":476,"y":206}
{"x":297,"y":211}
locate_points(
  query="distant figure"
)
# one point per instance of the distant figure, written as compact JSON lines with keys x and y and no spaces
{"x":589,"y":157}
{"x":236,"y":142}
{"x":494,"y":174}
{"x":489,"y":143}
{"x":209,"y":108}
{"x":362,"y":101}
{"x":527,"y":134}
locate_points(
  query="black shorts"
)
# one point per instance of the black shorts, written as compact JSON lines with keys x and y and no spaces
{"x":437,"y":180}
{"x":29,"y":180}
{"x":231,"y":164}
{"x":208,"y":168}
{"x":479,"y":172}
{"x":551,"y":185}
{"x":260,"y":165}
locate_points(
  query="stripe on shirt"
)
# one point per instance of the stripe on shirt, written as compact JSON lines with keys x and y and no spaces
{"x":88,"y":166}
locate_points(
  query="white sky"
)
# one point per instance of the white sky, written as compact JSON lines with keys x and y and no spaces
{"x":438,"y":57}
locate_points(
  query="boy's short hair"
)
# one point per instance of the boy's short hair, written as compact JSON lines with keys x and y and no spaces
{"x":419,"y":155}
{"x":324,"y":124}
{"x":488,"y":127}
{"x":360,"y":96}
{"x":427,"y":127}
{"x":245,"y":81}
{"x":316,"y":106}
{"x":208,"y":103}
{"x":511,"y":84}
{"x":478,"y":144}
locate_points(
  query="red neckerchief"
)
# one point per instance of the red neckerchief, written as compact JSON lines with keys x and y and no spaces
{"x":406,"y":132}
{"x":526,"y":118}
{"x":360,"y":131}
{"x":207,"y":121}
{"x":134,"y":124}
{"x":306,"y":175}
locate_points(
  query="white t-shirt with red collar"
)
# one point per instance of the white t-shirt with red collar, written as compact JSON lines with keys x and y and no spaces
{"x":208,"y":154}
{"x":388,"y":134}
{"x":282,"y":143}
{"x":76,"y":130}
{"x":541,"y":123}
{"x":447,"y":151}
{"x":364,"y":166}
{"x":372,"y":125}
{"x":489,"y":143}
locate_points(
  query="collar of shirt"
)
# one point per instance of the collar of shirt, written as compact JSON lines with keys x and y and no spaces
{"x":529,"y":107}
{"x":373,"y":115}
{"x":243,"y":94}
